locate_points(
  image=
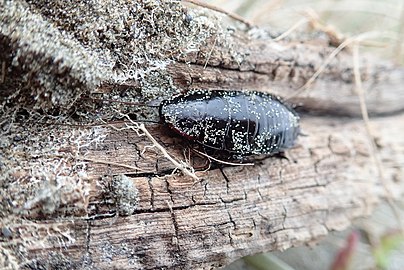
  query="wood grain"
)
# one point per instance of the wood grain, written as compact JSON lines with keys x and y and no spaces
{"x":232,"y":211}
{"x":87,"y":196}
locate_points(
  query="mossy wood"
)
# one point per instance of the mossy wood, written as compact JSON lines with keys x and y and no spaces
{"x":78,"y":194}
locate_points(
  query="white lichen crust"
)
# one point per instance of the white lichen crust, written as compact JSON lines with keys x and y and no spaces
{"x":58,"y":51}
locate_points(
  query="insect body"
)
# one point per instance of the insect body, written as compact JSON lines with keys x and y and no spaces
{"x":238,"y":122}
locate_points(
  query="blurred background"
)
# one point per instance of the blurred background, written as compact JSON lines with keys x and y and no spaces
{"x":383,"y":20}
{"x":374,"y":242}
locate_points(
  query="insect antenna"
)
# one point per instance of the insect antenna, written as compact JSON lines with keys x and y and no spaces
{"x":146,"y":121}
{"x":122,"y":102}
{"x":134,"y":117}
{"x":99,"y":124}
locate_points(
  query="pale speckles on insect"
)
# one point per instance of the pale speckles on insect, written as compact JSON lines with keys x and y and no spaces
{"x":238,"y":122}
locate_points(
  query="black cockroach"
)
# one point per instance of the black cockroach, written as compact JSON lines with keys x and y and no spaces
{"x":234,"y":123}
{"x":240,"y":123}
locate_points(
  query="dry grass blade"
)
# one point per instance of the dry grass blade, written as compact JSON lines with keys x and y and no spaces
{"x":141,"y":130}
{"x":180,"y":166}
{"x":321,"y":69}
{"x":359,"y":90}
{"x":221,"y":161}
{"x":400,"y":36}
{"x":113,"y":164}
{"x":355,"y":39}
{"x":291,"y":29}
{"x":220,"y":10}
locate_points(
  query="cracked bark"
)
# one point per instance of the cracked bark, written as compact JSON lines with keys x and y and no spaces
{"x":328,"y":179}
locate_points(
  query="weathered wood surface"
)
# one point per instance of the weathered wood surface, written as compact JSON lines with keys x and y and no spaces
{"x":67,"y":201}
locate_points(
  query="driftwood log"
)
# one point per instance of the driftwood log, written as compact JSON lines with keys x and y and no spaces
{"x":79,"y":193}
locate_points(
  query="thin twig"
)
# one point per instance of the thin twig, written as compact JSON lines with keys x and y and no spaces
{"x":359,"y":38}
{"x":165,"y":153}
{"x":140,"y":127}
{"x":321,"y":68}
{"x":220,"y":10}
{"x":112,"y":163}
{"x":335,"y":37}
{"x":210,"y":53}
{"x":400,"y":36}
{"x":291,"y":29}
{"x":221,"y":161}
{"x":375,"y":154}
{"x":266,"y":10}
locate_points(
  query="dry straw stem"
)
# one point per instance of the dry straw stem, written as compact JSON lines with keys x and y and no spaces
{"x":141,"y":130}
{"x":222,"y":161}
{"x":400,"y":37}
{"x":111,"y":163}
{"x":266,"y":9}
{"x":356,"y":40}
{"x":359,"y":38}
{"x":314,"y":21}
{"x":235,"y":210}
{"x":220,"y":10}
{"x":313,"y":78}
{"x":291,"y":29}
{"x":210,"y":53}
{"x":373,"y":149}
{"x":178,"y":165}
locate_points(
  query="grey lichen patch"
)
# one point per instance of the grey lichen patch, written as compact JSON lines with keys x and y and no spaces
{"x":136,"y":38}
{"x":66,"y":195}
{"x":53,"y":67}
{"x":158,"y":83}
{"x":43,"y":173}
{"x":42,"y":176}
{"x":13,"y":251}
{"x":126,"y":194}
{"x":110,"y":253}
{"x":125,"y":30}
{"x":55,"y":52}
{"x":54,"y":261}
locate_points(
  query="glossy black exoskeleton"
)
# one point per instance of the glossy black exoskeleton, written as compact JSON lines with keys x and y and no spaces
{"x":240,"y":123}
